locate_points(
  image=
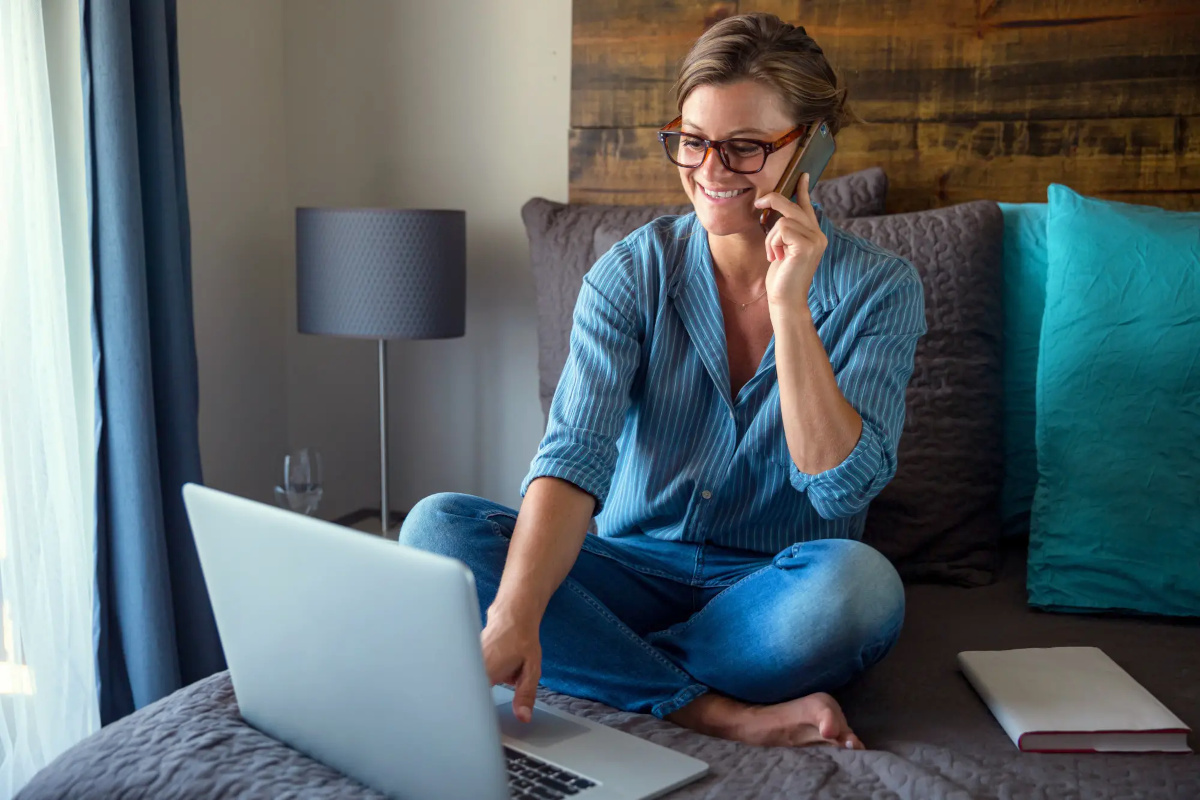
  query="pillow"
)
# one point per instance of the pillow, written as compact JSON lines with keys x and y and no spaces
{"x":1116,"y":515}
{"x":939,"y":517}
{"x":1024,"y":301}
{"x":606,"y":236}
{"x":562,"y":242}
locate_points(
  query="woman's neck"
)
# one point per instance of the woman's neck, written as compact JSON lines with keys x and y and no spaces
{"x":740,"y":263}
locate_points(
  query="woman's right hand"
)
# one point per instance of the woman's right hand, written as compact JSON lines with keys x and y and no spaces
{"x":545,"y":541}
{"x":512,"y":654}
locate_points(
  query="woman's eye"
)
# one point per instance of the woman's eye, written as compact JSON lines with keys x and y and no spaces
{"x":692,"y":142}
{"x":744,"y":149}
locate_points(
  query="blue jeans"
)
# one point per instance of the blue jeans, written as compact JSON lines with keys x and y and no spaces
{"x":648,"y":625}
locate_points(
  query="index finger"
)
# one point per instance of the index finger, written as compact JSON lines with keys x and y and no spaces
{"x":786,"y":208}
{"x":777,"y":202}
{"x":804,"y":200}
{"x":525,"y":693}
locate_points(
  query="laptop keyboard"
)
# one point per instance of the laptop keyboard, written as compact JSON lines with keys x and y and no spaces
{"x":532,"y":777}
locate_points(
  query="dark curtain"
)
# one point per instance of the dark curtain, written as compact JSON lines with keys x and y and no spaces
{"x":154,"y":623}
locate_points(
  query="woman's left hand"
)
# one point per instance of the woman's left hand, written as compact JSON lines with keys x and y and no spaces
{"x":794,"y":245}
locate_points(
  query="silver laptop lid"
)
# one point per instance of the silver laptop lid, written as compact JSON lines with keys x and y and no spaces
{"x":355,"y":650}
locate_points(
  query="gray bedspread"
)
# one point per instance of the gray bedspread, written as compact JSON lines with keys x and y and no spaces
{"x":930,"y":736}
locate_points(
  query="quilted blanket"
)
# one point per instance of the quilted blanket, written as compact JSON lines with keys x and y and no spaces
{"x":930,"y":736}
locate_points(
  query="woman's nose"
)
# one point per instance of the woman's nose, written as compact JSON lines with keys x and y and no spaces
{"x":712,"y":167}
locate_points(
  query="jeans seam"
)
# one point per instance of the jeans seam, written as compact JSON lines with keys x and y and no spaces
{"x":679,"y":700}
{"x":624,"y":629}
{"x":686,"y":624}
{"x":698,"y":568}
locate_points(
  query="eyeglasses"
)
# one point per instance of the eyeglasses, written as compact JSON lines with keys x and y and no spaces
{"x":745,"y":156}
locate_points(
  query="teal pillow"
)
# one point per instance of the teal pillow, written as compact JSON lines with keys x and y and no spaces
{"x":1024,"y":301}
{"x":1116,"y":515}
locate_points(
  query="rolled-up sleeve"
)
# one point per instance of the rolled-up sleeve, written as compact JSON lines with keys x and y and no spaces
{"x":872,"y":367}
{"x":588,"y":410}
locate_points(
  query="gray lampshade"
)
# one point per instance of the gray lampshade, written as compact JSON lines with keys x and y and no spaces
{"x":381,"y":273}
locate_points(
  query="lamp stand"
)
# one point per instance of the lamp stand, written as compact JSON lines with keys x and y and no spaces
{"x":384,"y":512}
{"x":383,"y":437}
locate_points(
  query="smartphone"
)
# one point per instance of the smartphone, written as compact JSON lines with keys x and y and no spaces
{"x":811,"y":156}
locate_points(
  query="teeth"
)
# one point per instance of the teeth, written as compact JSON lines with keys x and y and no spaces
{"x":734,"y":193}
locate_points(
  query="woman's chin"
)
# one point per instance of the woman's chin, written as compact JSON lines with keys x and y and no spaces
{"x":723,"y":222}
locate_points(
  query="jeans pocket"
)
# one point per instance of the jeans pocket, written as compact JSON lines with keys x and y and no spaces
{"x":503,"y":523}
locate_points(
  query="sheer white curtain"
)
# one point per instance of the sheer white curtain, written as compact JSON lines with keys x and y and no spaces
{"x":48,"y":691}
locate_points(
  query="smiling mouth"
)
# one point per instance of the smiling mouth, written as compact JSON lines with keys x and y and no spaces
{"x":723,"y":195}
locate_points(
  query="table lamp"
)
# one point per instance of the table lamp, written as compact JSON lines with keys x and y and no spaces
{"x":381,"y":273}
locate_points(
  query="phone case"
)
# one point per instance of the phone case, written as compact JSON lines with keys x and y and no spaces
{"x":812,"y":156}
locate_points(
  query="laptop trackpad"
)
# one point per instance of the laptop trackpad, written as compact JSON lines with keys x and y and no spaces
{"x":542,"y":731}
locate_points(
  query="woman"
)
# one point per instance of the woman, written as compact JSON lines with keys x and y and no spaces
{"x":731,"y":403}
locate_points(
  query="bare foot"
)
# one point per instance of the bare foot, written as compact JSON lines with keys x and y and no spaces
{"x":814,"y":719}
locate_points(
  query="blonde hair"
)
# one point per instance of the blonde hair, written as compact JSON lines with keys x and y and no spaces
{"x":763,"y":48}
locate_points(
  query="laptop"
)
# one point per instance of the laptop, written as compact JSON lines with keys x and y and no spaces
{"x":365,"y":655}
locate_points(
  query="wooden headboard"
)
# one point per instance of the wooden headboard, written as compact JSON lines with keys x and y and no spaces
{"x":966,"y":99}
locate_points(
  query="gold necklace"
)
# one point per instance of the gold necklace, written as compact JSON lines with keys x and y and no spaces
{"x":748,"y":302}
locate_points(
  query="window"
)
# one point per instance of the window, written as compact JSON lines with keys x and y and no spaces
{"x":48,"y":692}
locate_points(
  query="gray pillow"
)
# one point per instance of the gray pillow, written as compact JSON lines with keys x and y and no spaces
{"x":939,"y":518}
{"x":563,"y":240}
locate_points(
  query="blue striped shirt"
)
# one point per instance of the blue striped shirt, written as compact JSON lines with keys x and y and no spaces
{"x":642,"y":418}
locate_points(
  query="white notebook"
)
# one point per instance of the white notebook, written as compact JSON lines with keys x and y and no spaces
{"x":1071,"y":699}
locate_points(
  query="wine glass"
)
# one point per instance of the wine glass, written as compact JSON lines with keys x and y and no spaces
{"x":301,"y":490}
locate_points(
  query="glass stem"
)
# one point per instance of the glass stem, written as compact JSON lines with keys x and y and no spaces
{"x":383,"y":438}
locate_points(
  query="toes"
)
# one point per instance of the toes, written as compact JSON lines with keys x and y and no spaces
{"x":831,"y":724}
{"x":805,"y":735}
{"x":849,"y":741}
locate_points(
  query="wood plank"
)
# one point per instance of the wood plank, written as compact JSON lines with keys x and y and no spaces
{"x":1011,"y":13}
{"x":651,"y":36}
{"x":1065,"y":13}
{"x":1174,"y":201}
{"x":937,"y":164}
{"x":931,"y":60}
{"x":650,"y":19}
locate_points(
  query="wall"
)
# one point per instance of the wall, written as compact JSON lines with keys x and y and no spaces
{"x":232,"y":92}
{"x":446,"y":105}
{"x":967,"y":100}
{"x":312,"y":102}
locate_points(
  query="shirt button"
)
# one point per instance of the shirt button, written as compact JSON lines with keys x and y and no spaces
{"x":706,"y":494}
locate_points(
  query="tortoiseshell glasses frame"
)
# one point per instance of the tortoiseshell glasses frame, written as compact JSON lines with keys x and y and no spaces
{"x":759,"y":149}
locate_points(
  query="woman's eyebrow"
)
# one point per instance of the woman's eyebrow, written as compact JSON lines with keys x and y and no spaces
{"x":687,"y":124}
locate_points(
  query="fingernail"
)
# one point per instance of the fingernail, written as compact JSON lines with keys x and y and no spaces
{"x":849,"y":745}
